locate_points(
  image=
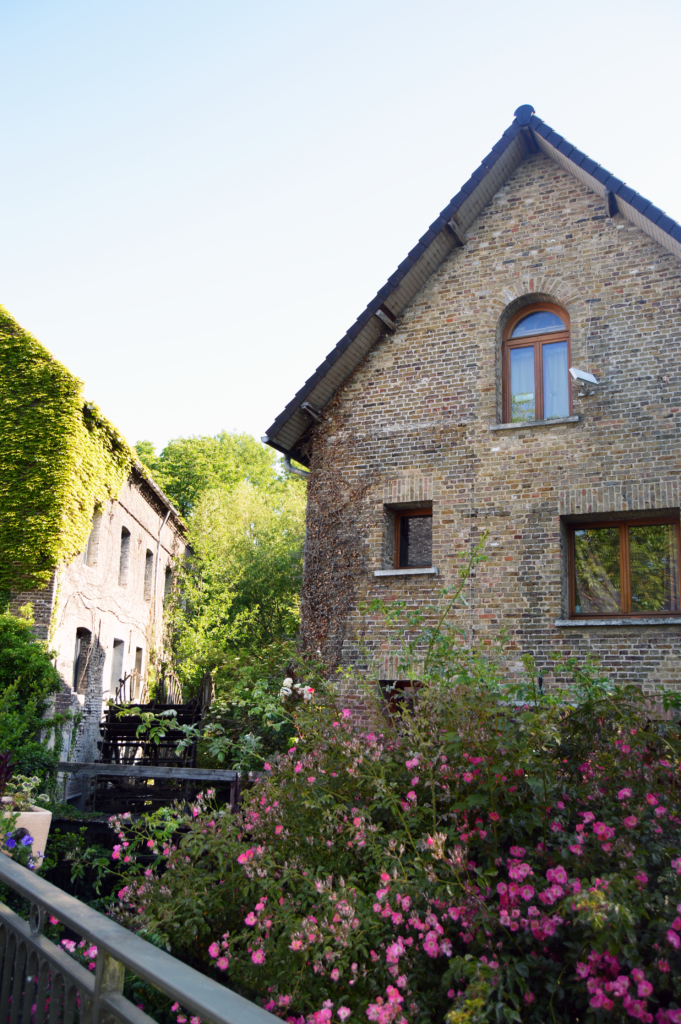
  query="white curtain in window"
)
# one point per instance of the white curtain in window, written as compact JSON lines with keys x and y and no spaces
{"x":554,"y":360}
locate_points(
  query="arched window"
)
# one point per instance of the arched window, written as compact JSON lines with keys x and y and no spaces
{"x":536,"y":354}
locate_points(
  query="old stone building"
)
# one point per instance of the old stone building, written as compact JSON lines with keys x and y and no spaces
{"x":519,"y":375}
{"x":87,"y":539}
{"x":103,"y":612}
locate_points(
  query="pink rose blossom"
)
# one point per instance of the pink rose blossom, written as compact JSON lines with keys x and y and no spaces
{"x":222,"y":963}
{"x":673,"y":939}
{"x":251,"y":918}
{"x":298,"y":768}
{"x":214,"y":950}
{"x":258,"y":957}
{"x":344,"y":1012}
{"x":624,"y":794}
{"x":652,"y":800}
{"x":335,"y":974}
{"x":630,"y":822}
{"x":529,"y":997}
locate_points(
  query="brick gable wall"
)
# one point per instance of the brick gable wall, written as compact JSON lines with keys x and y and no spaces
{"x":413,"y":423}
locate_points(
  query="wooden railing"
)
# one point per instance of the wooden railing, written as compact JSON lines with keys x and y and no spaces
{"x":41,"y":984}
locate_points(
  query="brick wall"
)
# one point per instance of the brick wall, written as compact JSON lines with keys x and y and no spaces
{"x":416,"y":418}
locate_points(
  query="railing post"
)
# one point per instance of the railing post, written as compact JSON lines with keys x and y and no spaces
{"x":109,"y":978}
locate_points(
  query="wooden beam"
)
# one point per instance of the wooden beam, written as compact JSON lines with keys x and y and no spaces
{"x":456,"y":231}
{"x":144,"y":771}
{"x":386,"y":320}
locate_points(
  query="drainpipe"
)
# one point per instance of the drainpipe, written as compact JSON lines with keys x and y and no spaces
{"x":158,"y":562}
{"x":293,"y":469}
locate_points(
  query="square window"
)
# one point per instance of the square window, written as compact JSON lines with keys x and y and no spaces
{"x":629,"y":567}
{"x":414,"y":539}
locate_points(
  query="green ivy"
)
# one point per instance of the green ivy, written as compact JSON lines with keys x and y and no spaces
{"x":60,"y":459}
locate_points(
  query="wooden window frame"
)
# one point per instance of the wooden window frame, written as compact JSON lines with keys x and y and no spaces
{"x":405,"y":514}
{"x":625,"y":578}
{"x":537,"y":342}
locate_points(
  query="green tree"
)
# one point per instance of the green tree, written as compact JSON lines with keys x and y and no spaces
{"x":238,"y":594}
{"x":189,"y":466}
{"x":28,"y":679}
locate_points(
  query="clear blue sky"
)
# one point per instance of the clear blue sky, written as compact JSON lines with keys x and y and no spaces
{"x":199,"y":198}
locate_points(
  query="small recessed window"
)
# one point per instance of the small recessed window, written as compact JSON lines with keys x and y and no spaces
{"x":148,"y":574}
{"x":124,"y":560}
{"x":414,"y":539}
{"x":91,"y":552}
{"x":81,"y":659}
{"x":629,"y":567}
{"x":536,"y":358}
{"x":117,"y":665}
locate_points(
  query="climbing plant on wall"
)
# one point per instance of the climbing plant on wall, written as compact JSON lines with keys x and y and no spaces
{"x":59,"y":460}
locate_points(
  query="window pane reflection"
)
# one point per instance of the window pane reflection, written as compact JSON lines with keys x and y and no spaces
{"x":522,"y":384}
{"x":597,"y":571}
{"x":654,"y":568}
{"x":538,"y":323}
{"x":415,"y":541}
{"x":555,"y":368}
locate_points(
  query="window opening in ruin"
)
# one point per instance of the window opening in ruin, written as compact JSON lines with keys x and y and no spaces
{"x":136,"y":688}
{"x":399,"y":694}
{"x":536,"y":356}
{"x":81,"y":659}
{"x":148,"y":574}
{"x":91,"y":552}
{"x":168,"y":585}
{"x":117,"y":665}
{"x":627,"y":567}
{"x":413,"y":538}
{"x":124,"y":564}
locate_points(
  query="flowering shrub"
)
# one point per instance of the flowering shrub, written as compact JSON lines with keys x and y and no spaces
{"x":491,"y":853}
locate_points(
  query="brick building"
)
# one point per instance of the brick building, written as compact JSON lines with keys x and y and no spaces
{"x":463,"y":400}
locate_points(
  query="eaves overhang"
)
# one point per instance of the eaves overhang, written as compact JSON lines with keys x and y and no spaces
{"x":528,"y":134}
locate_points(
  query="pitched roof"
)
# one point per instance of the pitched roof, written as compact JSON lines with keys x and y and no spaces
{"x":527,"y":134}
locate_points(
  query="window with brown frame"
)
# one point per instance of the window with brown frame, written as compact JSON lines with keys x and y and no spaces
{"x":628,"y":567}
{"x":536,"y":357}
{"x":414,"y":538}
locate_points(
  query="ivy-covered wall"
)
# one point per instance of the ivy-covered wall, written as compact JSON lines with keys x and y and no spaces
{"x":59,"y":460}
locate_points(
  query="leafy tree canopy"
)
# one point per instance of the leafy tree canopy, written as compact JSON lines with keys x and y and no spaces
{"x":240,"y":590}
{"x":189,"y":466}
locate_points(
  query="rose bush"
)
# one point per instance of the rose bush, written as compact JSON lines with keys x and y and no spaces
{"x":487,"y":853}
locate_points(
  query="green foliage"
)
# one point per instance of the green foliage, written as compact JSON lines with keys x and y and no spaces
{"x":238,"y":594}
{"x":486,"y":852}
{"x":189,"y":466}
{"x":27,"y":681}
{"x":59,"y":459}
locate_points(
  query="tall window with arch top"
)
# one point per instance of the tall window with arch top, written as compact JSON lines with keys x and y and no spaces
{"x":536,"y":354}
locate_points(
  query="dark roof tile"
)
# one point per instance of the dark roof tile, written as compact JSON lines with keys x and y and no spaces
{"x":612,"y":183}
{"x":639,"y":203}
{"x":600,"y":174}
{"x":577,"y":157}
{"x":626,"y":193}
{"x":589,"y":165}
{"x":654,"y":213}
{"x":676,"y":232}
{"x":665,"y":223}
{"x":565,"y":148}
{"x":542,"y":129}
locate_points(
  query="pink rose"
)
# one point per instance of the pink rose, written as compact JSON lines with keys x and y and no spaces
{"x":624,"y":794}
{"x":258,"y":957}
{"x":630,"y":822}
